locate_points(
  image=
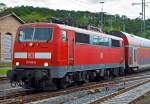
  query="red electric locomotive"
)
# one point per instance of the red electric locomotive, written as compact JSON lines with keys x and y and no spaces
{"x":47,"y":54}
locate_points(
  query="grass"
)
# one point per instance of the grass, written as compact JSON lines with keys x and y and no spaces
{"x":145,"y":100}
{"x":3,"y":71}
{"x":5,"y":65}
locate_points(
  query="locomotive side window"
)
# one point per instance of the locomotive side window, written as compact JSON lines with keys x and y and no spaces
{"x":104,"y":41}
{"x":82,"y":38}
{"x":64,"y":35}
{"x":95,"y":40}
{"x":115,"y":43}
{"x":99,"y":40}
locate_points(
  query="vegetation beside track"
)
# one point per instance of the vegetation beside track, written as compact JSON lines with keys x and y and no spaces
{"x":5,"y":65}
{"x":3,"y":71}
{"x":144,"y":100}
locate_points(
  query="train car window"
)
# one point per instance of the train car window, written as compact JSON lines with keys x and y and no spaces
{"x":115,"y":43}
{"x":64,"y":35}
{"x":82,"y":38}
{"x":95,"y":40}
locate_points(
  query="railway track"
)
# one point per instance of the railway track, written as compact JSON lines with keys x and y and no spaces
{"x":126,"y":96}
{"x":3,"y":78}
{"x":15,"y":93}
{"x":26,"y":97}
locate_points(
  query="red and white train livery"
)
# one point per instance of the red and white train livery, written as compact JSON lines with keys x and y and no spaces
{"x":137,"y":51}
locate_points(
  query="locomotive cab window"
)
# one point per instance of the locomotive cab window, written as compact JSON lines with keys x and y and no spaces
{"x":82,"y":38}
{"x":42,"y":34}
{"x":115,"y":43}
{"x":64,"y":35}
{"x":29,"y":34}
{"x":25,"y":34}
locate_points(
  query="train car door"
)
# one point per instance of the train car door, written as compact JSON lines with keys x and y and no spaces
{"x":71,"y":42}
{"x":134,"y":57}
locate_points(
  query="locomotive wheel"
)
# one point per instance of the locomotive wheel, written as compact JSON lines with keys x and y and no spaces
{"x":61,"y":83}
{"x":121,"y":72}
{"x":107,"y":75}
{"x":43,"y":84}
{"x":111,"y":74}
{"x":92,"y":76}
{"x":116,"y":72}
{"x":83,"y":79}
{"x":86,"y":77}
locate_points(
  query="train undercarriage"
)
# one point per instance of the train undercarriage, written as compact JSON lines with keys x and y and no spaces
{"x":41,"y":79}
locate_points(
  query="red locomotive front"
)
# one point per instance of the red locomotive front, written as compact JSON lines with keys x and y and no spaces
{"x":35,"y":49}
{"x":33,"y":46}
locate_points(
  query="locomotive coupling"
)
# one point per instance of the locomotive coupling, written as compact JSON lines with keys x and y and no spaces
{"x":22,"y":75}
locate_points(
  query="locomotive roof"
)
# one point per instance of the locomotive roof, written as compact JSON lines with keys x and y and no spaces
{"x":76,"y":29}
{"x":80,"y":30}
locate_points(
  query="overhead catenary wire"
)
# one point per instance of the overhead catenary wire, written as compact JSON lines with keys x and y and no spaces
{"x":144,"y":4}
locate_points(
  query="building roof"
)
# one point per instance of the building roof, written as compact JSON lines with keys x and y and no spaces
{"x":6,"y":14}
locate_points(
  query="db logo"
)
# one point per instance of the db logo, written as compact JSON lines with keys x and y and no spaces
{"x":31,"y":55}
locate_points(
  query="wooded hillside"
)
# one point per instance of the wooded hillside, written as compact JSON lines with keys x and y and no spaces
{"x":78,"y":18}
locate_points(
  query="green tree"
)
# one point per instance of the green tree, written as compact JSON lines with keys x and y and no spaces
{"x":80,"y":18}
{"x":2,"y":7}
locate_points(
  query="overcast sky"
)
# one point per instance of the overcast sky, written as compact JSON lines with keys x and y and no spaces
{"x":122,"y":7}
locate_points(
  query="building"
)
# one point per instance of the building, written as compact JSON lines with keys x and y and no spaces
{"x":9,"y":22}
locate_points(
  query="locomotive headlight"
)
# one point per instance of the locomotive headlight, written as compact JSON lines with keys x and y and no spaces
{"x":17,"y":63}
{"x":46,"y":64}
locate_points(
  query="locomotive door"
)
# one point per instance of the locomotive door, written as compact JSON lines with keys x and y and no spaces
{"x":70,"y":47}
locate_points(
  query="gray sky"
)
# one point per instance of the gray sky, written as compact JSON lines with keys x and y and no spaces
{"x":122,"y":7}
